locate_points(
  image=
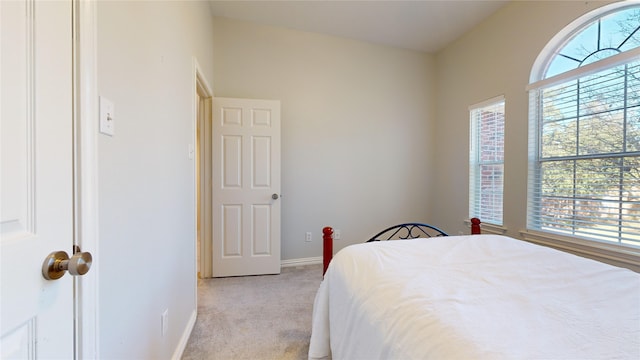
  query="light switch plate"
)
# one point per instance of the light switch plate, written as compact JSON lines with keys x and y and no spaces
{"x":107,"y":116}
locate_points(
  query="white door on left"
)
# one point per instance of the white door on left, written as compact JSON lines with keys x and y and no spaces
{"x":36,"y":213}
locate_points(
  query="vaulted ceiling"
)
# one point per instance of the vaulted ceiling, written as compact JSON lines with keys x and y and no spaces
{"x":423,"y":25}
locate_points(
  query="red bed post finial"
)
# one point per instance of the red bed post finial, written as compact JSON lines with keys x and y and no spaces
{"x":327,"y":247}
{"x":475,"y":226}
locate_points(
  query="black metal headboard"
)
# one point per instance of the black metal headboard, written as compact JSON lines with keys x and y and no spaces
{"x":408,"y":231}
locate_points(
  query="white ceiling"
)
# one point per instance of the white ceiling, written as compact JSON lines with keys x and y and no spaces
{"x":423,"y":25}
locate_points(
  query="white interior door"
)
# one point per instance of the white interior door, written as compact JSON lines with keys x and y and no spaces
{"x":36,"y":214}
{"x":246,"y":187}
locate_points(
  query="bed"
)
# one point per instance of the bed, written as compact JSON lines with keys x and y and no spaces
{"x":473,"y":297}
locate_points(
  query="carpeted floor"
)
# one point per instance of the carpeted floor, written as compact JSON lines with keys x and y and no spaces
{"x":255,"y":317}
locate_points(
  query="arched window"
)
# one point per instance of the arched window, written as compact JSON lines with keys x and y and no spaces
{"x":584,"y":145}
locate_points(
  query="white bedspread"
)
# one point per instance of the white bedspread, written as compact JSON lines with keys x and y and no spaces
{"x":473,"y":297}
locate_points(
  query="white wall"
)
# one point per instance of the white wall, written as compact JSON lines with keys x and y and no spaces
{"x":146,"y":181}
{"x":495,"y":58}
{"x":359,"y":127}
{"x":357,"y":134}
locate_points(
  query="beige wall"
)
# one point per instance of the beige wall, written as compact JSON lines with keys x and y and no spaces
{"x":357,"y":127}
{"x":146,"y":255}
{"x":493,"y":59}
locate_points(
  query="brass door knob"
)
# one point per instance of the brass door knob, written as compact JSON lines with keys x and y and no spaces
{"x":58,"y":262}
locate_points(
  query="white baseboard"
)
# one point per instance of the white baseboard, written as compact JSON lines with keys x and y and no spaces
{"x":301,"y":262}
{"x":177,"y":355}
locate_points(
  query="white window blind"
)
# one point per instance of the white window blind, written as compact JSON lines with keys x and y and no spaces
{"x":486,"y":161}
{"x":584,"y":175}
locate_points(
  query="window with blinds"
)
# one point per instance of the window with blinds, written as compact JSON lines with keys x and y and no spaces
{"x":486,"y":161}
{"x":584,"y":175}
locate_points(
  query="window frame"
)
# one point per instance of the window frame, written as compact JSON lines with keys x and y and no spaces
{"x":618,"y":254}
{"x":475,"y":164}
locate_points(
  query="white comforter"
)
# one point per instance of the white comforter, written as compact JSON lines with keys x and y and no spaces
{"x":473,"y":297}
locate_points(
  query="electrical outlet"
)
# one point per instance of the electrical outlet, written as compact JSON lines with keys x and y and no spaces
{"x":336,"y":234}
{"x":307,"y":236}
{"x":164,"y":321}
{"x":191,"y":151}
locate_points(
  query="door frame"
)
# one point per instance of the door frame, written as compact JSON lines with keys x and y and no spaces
{"x":85,"y":165}
{"x":203,"y":100}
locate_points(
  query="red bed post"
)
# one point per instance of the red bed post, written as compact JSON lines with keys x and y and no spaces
{"x":327,"y":247}
{"x":475,"y":226}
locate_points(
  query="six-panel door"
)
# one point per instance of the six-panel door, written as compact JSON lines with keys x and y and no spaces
{"x":246,"y":175}
{"x":36,"y":214}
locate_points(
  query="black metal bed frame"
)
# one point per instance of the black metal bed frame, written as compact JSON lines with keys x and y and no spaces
{"x":408,"y":231}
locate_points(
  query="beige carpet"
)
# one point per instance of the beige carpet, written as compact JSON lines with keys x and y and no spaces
{"x":255,"y":317}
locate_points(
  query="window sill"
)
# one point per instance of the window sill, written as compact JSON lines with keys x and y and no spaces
{"x":616,"y":255}
{"x":487,"y":228}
